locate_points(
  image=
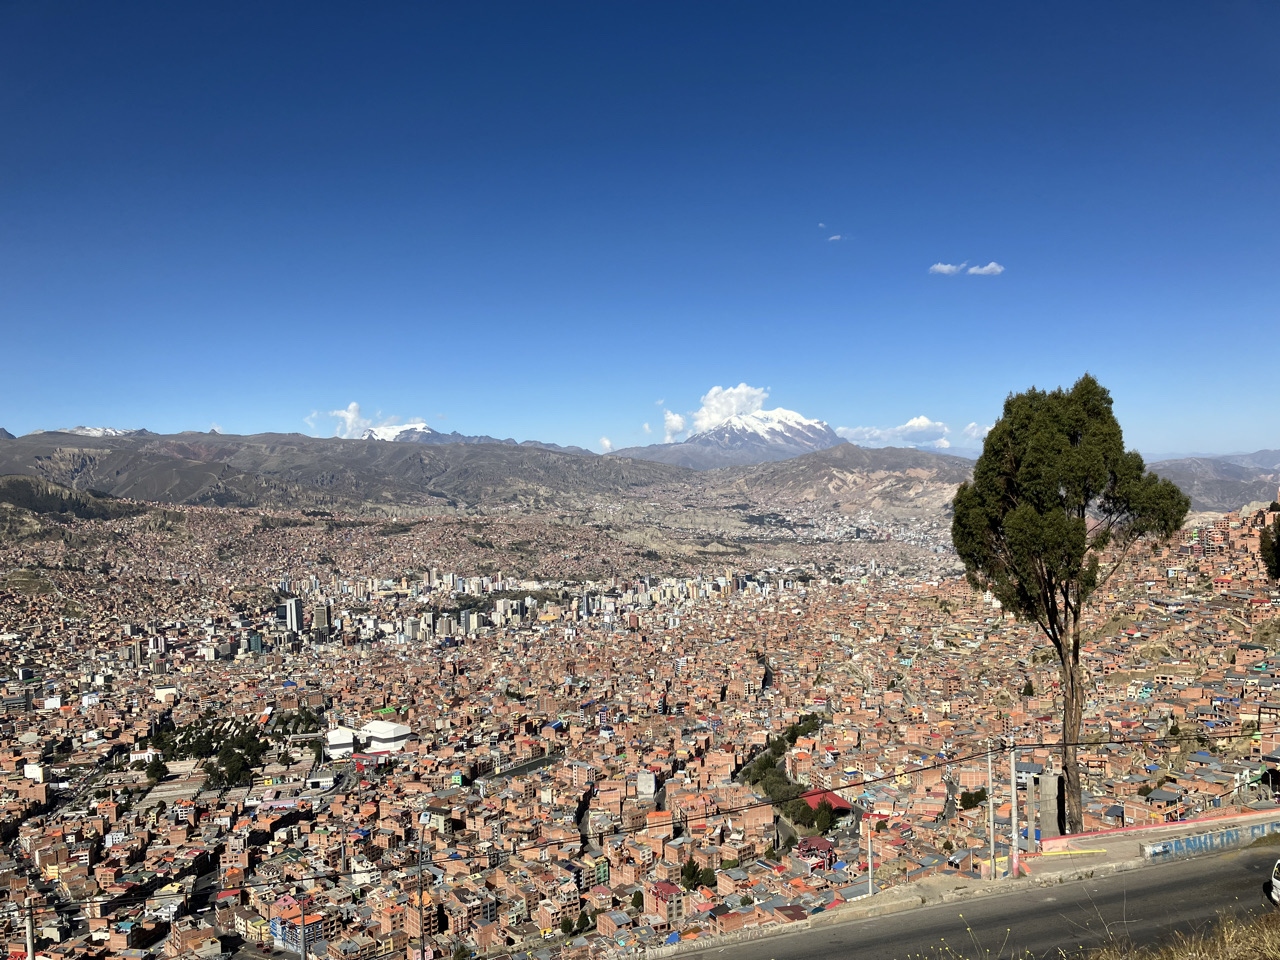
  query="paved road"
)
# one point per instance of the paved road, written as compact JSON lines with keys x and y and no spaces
{"x":1145,"y":906}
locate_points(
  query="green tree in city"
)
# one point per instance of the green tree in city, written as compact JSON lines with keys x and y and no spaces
{"x":566,"y":925}
{"x":824,"y":816}
{"x":156,"y":769}
{"x":969,"y":800}
{"x":1269,"y":547}
{"x":689,"y":874}
{"x":637,"y":900}
{"x":1055,"y":508}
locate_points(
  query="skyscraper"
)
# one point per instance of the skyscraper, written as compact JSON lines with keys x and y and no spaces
{"x":320,"y":619}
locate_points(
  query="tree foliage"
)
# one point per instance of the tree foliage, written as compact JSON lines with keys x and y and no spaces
{"x":824,"y":816}
{"x":971,"y":799}
{"x":1055,"y":506}
{"x":689,"y":874}
{"x":1270,"y":549}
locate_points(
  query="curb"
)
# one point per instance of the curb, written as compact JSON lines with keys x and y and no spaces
{"x":902,"y":898}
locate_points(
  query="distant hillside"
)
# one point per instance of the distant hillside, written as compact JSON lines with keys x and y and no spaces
{"x":1223,"y":484}
{"x":687,"y":455}
{"x":890,"y":479}
{"x":1265,"y":460}
{"x":31,"y":507}
{"x":292,"y":470}
{"x":422,"y":433}
{"x":42,"y":497}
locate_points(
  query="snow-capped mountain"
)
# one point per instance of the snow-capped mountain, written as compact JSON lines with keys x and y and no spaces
{"x":406,"y":432}
{"x":745,"y":438}
{"x":93,"y":431}
{"x":771,"y":428}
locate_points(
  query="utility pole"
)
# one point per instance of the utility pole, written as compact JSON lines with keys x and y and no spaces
{"x":31,"y":930}
{"x":422,"y":929}
{"x":991,"y":810}
{"x":1033,"y":814}
{"x":302,"y":927}
{"x":870,"y":859}
{"x":1013,"y":807}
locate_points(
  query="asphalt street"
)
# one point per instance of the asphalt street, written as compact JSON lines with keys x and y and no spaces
{"x":1141,"y":907}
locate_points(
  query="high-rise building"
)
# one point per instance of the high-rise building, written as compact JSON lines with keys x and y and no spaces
{"x":320,"y":622}
{"x":293,"y":614}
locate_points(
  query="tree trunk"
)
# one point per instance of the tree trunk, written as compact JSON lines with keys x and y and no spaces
{"x":1072,"y":714}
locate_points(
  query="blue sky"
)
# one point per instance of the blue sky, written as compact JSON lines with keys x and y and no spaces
{"x":539,"y":220}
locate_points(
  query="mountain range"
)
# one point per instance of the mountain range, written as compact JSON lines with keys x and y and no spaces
{"x":400,"y":478}
{"x":761,"y":456}
{"x":1221,"y":484}
{"x":421,"y":433}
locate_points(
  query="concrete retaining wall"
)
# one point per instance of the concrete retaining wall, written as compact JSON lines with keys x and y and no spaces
{"x":1229,"y":838}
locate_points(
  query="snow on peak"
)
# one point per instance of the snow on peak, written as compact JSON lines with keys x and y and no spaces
{"x":393,"y":431}
{"x":92,"y":431}
{"x":766,"y":423}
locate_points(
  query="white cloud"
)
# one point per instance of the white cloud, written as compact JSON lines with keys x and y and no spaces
{"x":976,"y":431}
{"x":606,"y":445}
{"x":215,"y":428}
{"x":310,"y":420}
{"x":992,"y":269}
{"x":821,"y":226}
{"x":836,"y":237}
{"x":916,"y":432}
{"x":350,"y":421}
{"x":721,"y":403}
{"x":672,"y":425}
{"x":947,"y":269}
{"x":646,"y":428}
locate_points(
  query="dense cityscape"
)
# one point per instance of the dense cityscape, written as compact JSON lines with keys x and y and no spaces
{"x":238,"y":730}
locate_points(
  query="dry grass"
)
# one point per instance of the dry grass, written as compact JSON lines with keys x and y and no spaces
{"x":1230,"y":939}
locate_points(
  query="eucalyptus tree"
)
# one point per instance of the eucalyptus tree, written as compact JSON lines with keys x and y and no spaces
{"x":1057,"y":506}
